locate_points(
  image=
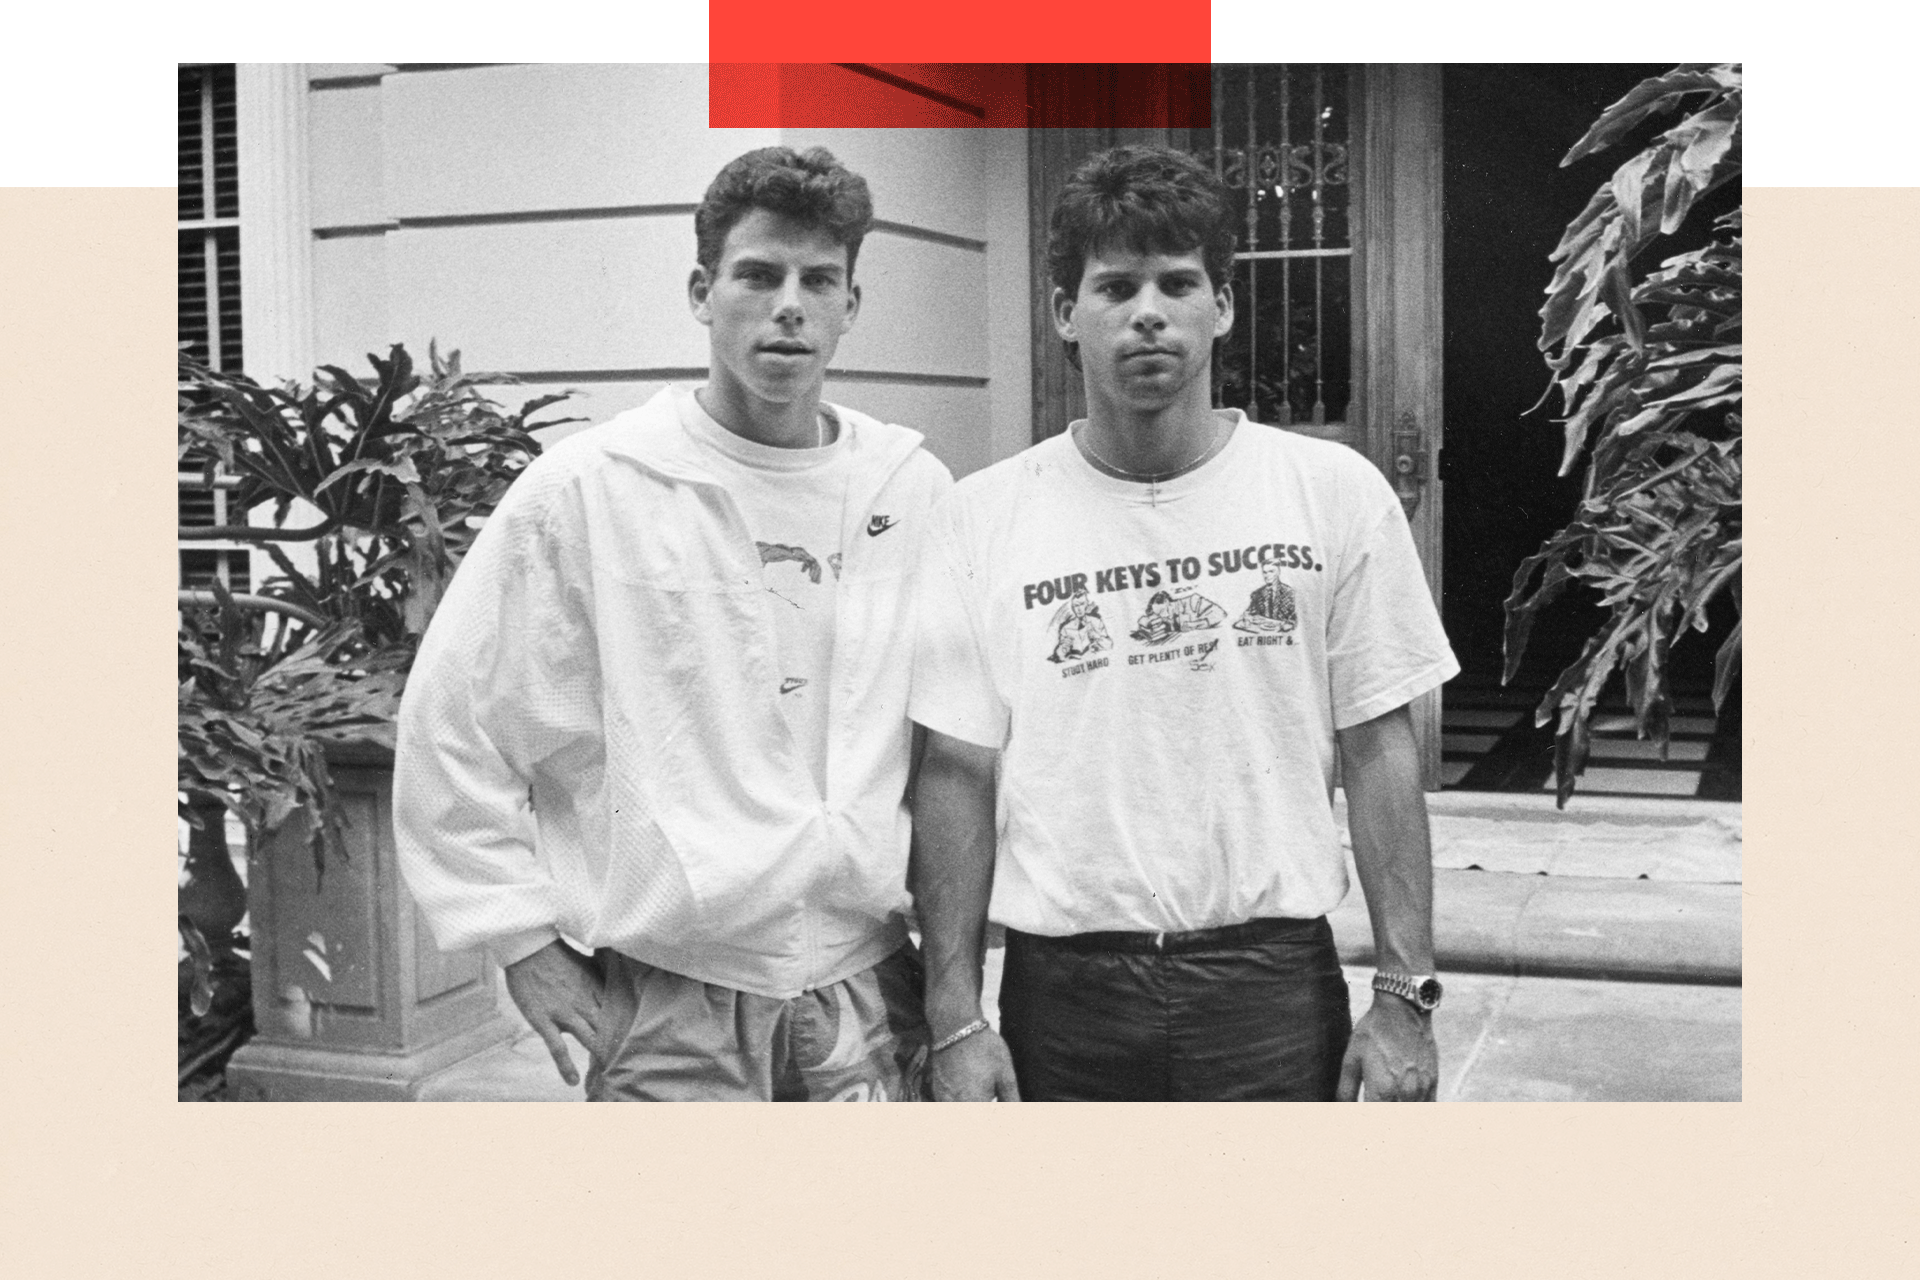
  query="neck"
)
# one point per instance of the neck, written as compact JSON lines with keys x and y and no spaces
{"x":782,"y":424}
{"x":1152,"y":441}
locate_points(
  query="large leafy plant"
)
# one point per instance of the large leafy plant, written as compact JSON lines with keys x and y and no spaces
{"x":387,"y":481}
{"x":384,"y":483}
{"x":1647,"y":365}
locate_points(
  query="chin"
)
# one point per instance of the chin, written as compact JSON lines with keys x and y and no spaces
{"x":1150,"y":395}
{"x":781,"y":386}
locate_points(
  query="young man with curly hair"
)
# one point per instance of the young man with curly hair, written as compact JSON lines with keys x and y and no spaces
{"x":661,"y":712}
{"x":1154,"y":826}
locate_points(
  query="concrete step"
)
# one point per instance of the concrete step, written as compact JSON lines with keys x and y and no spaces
{"x":1610,"y":836}
{"x":1609,"y":887}
{"x":1570,"y":927}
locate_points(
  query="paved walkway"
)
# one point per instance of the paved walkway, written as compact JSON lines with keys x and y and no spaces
{"x":1591,"y":954}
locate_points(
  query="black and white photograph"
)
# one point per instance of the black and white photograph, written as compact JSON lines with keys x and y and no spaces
{"x":1134,"y":583}
{"x":710,"y":559}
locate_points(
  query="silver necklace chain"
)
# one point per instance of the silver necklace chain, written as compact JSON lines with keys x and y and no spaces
{"x":1149,"y":479}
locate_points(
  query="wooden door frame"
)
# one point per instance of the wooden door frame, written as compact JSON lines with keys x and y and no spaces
{"x":1397,"y":296}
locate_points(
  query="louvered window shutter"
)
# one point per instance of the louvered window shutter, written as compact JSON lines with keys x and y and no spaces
{"x":209,"y":279}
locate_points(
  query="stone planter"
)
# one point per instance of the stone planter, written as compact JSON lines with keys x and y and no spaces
{"x":352,"y":999}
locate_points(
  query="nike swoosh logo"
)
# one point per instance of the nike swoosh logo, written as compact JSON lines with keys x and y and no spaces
{"x":879,"y":525}
{"x":791,"y":683}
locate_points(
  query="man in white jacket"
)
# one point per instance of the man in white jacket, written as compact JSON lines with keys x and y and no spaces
{"x":661,"y":712}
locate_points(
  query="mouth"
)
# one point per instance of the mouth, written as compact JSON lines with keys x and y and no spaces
{"x":785,"y":349}
{"x":1149,"y":353}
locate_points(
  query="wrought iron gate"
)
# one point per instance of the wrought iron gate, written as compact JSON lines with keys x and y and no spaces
{"x":1281,"y":142}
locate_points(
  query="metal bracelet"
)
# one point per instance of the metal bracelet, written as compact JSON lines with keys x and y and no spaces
{"x":972,"y":1028}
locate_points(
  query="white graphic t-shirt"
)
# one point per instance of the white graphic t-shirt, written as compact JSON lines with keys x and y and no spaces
{"x":794,"y":503}
{"x":1163,"y":674}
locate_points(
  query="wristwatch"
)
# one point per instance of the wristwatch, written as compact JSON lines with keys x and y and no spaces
{"x":1422,"y":989}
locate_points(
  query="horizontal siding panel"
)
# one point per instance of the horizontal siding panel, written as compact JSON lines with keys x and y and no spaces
{"x":611,"y":294}
{"x":819,"y":90}
{"x":596,"y":402}
{"x":344,"y":156}
{"x":953,"y":419}
{"x":922,"y":310}
{"x":997,"y":88}
{"x":602,"y":294}
{"x":520,"y":138}
{"x":931,"y":178}
{"x":350,"y":300}
{"x":325,"y":71}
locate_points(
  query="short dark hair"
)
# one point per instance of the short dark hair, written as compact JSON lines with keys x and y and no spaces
{"x":1148,"y":199}
{"x":809,"y":186}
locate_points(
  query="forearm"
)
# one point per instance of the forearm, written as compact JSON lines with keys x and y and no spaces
{"x":1392,"y":845}
{"x":951,"y":875}
{"x":463,"y":829}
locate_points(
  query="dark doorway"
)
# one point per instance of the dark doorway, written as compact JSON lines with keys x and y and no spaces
{"x":1507,"y":201}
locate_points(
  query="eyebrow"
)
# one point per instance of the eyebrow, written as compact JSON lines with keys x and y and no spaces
{"x":1125,"y":273}
{"x":767,"y":264}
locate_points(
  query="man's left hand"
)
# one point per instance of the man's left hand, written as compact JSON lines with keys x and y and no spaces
{"x":1392,"y":1054}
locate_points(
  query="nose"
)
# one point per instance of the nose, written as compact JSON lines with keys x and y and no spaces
{"x":787,"y":308}
{"x":1149,"y":310}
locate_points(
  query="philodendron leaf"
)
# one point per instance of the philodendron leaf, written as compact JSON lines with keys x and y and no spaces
{"x":403,"y":470}
{"x":1649,"y":97}
{"x":1726,"y":665}
{"x":1721,"y":383}
{"x":1692,"y":168}
{"x":1629,"y":187}
{"x":1678,"y":193}
{"x":201,"y":955}
{"x":1618,"y":291}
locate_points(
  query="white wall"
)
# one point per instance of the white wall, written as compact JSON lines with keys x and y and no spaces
{"x":540,"y":219}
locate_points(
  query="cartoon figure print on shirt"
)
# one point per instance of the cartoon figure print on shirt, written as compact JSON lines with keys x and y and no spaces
{"x":1174,"y":613}
{"x":1166,"y":631}
{"x":1078,"y":629}
{"x":1270,"y":609}
{"x":772,"y":553}
{"x":779,"y":553}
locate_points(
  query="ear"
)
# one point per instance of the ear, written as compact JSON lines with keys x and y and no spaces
{"x":1061,"y":304}
{"x":853,"y":304}
{"x":1222,"y":310}
{"x":699,"y":295}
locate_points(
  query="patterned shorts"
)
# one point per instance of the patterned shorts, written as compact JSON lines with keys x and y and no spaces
{"x":665,"y":1038}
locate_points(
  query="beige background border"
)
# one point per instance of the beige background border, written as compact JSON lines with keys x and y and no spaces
{"x":104,"y":1173}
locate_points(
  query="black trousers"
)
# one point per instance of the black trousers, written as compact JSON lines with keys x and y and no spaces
{"x":1250,"y":1012}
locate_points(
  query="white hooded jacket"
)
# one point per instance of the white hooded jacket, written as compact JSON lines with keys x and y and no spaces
{"x":590,"y":744}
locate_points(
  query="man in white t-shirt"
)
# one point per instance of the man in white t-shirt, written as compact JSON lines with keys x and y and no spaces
{"x":1152,"y":821}
{"x":661,"y":712}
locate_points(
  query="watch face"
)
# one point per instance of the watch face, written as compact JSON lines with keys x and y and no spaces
{"x":1428,"y":993}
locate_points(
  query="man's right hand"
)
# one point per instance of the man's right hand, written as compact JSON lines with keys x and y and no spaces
{"x":977,"y":1069}
{"x":558,"y":989}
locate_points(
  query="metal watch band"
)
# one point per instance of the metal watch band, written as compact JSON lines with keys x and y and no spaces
{"x":1409,"y":986}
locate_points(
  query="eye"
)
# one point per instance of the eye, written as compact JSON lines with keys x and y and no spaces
{"x":1115,"y":289}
